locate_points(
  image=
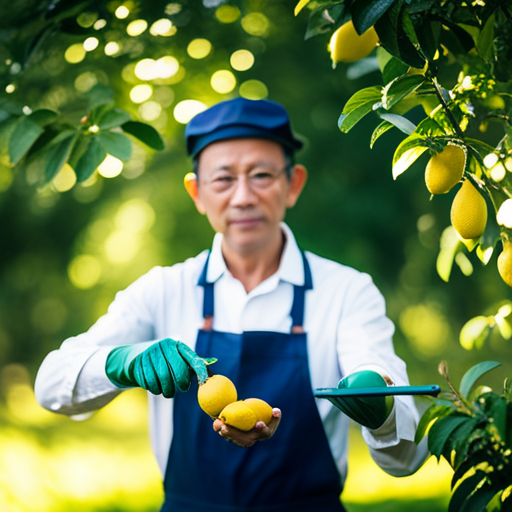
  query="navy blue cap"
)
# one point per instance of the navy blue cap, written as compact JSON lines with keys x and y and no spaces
{"x":240,"y":118}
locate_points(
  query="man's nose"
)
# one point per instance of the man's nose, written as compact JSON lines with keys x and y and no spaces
{"x":243,"y":194}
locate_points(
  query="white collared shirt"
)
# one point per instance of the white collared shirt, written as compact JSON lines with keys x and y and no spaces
{"x":345,"y":321}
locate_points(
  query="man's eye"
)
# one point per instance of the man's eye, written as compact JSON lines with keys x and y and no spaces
{"x":224,"y":179}
{"x":262,"y":176}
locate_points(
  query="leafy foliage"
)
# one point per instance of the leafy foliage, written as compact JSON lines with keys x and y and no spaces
{"x":473,"y":432}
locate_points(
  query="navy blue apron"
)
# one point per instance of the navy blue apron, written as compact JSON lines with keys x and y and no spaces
{"x":294,"y":470}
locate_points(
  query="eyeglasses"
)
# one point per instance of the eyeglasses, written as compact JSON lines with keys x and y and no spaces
{"x":259,"y":178}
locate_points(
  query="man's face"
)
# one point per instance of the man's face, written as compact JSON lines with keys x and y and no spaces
{"x":244,"y":191}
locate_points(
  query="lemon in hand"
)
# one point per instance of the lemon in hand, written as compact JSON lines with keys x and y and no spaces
{"x":346,"y":45}
{"x":217,"y":392}
{"x":261,"y":409}
{"x":239,"y":415}
{"x":505,"y":263}
{"x":444,"y":170}
{"x":469,"y":212}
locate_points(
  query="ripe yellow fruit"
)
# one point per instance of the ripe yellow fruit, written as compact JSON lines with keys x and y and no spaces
{"x":469,"y":212}
{"x":261,"y":409}
{"x":346,"y":45}
{"x":505,"y":263}
{"x":217,"y":392}
{"x":239,"y":415}
{"x":444,"y":170}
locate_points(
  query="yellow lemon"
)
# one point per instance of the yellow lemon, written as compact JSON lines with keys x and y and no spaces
{"x":238,"y":415}
{"x":346,"y":45}
{"x":262,"y":410}
{"x":469,"y":212}
{"x":217,"y":392}
{"x":444,"y":170}
{"x":505,"y":263}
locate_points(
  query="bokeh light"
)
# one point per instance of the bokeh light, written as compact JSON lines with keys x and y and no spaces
{"x":85,"y":81}
{"x":91,"y":43}
{"x":110,"y":167}
{"x":185,"y":110}
{"x":164,"y":95}
{"x":9,"y":89}
{"x":256,"y":24}
{"x":136,"y":27}
{"x":504,"y":216}
{"x":135,"y":216}
{"x":253,"y":90}
{"x":122,"y":12}
{"x":86,"y":19}
{"x":150,"y":69}
{"x":141,"y":93}
{"x":150,"y":110}
{"x":223,"y":81}
{"x":112,"y":48}
{"x":84,"y":271}
{"x":75,"y":53}
{"x":121,"y":246}
{"x":199,"y":48}
{"x":163,"y":27}
{"x":65,"y":179}
{"x":242,"y":60}
{"x":98,"y":25}
{"x":227,"y":13}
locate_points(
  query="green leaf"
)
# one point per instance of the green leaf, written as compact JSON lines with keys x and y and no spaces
{"x":300,"y":6}
{"x":464,"y":489}
{"x":474,"y":332}
{"x":482,"y":148}
{"x":22,"y":138}
{"x":363,"y":97}
{"x":323,"y":20}
{"x":347,"y":121}
{"x":429,"y":128}
{"x":100,"y":95}
{"x":402,"y":123}
{"x":427,"y":33}
{"x":57,"y":155}
{"x":113,"y":118}
{"x":450,"y":245}
{"x":468,"y":464}
{"x":381,"y":129}
{"x":400,"y":88}
{"x":116,"y":144}
{"x":43,"y":116}
{"x":473,"y":374}
{"x":478,"y":501}
{"x":91,"y":158}
{"x":460,"y":440}
{"x":432,"y":413}
{"x":484,"y":43}
{"x":145,"y":133}
{"x":365,"y":13}
{"x":441,"y":431}
{"x":499,"y":414}
{"x":393,"y":69}
{"x":407,"y":152}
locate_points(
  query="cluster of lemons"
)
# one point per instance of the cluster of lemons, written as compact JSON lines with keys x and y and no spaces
{"x":218,"y":398}
{"x":469,"y":210}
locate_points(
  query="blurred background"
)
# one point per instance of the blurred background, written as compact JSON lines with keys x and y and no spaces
{"x":67,"y":248}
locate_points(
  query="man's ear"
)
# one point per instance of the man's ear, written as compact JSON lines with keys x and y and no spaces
{"x":298,"y":178}
{"x":190,"y":182}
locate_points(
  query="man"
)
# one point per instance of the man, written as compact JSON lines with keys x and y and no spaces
{"x":278,"y":321}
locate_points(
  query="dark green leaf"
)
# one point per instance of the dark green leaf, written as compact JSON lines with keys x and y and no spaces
{"x":24,"y":135}
{"x":427,"y":33}
{"x":486,"y":39}
{"x":116,"y":144}
{"x":482,"y":148}
{"x":473,"y":374}
{"x":440,"y":432}
{"x":57,"y":155}
{"x":145,"y":133}
{"x":91,"y":158}
{"x":382,"y":128}
{"x":112,"y":119}
{"x":459,"y":440}
{"x":100,"y":95}
{"x":462,"y":492}
{"x":322,"y":20}
{"x":400,"y":88}
{"x":402,"y":123}
{"x":365,"y":13}
{"x":407,"y":152}
{"x":432,"y":413}
{"x":478,"y":501}
{"x":457,"y":40}
{"x":394,"y":68}
{"x":468,"y":464}
{"x":499,"y":414}
{"x":43,"y":116}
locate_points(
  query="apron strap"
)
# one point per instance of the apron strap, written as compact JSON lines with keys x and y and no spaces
{"x":296,"y":313}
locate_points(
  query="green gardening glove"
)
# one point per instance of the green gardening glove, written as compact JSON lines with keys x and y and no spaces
{"x":371,"y":412}
{"x":160,"y":367}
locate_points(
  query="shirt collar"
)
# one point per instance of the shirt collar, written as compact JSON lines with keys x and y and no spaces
{"x":291,"y":267}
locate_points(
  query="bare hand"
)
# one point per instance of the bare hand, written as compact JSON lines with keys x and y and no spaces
{"x":260,"y":432}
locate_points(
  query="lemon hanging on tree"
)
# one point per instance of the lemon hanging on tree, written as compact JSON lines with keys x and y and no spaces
{"x":444,"y":170}
{"x":505,"y":263}
{"x":346,"y":45}
{"x":469,"y":212}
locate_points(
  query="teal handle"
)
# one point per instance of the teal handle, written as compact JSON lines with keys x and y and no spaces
{"x":432,"y":390}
